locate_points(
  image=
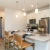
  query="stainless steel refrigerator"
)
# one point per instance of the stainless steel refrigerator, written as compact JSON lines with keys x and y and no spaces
{"x":46,"y":23}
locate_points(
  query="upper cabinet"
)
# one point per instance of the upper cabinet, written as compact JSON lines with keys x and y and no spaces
{"x":39,"y":15}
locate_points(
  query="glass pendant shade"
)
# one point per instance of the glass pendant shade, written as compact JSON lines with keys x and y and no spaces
{"x":36,"y":10}
{"x":24,"y":14}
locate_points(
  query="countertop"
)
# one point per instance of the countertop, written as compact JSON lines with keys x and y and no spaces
{"x":35,"y":36}
{"x":39,"y":38}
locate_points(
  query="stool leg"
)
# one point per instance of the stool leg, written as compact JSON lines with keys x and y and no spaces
{"x":4,"y":43}
{"x":21,"y":48}
{"x":8,"y":44}
{"x":33,"y":46}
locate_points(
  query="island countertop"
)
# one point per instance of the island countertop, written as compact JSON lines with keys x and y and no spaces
{"x":35,"y":36}
{"x":41,"y":42}
{"x":39,"y":38}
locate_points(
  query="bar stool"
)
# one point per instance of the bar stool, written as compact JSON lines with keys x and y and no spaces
{"x":21,"y":43}
{"x":8,"y":40}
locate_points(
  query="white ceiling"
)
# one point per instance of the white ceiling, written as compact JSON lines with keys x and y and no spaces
{"x":12,"y":4}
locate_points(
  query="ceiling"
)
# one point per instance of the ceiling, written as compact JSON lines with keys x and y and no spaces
{"x":12,"y":4}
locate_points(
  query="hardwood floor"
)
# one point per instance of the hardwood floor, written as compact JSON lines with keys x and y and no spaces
{"x":1,"y":44}
{"x":1,"y":39}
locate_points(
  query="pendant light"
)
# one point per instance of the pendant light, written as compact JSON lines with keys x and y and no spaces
{"x":36,"y":10}
{"x":24,"y":14}
{"x":17,"y":5}
{"x":49,"y":9}
{"x":49,"y":5}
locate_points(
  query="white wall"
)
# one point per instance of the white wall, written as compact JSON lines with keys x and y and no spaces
{"x":13,"y":23}
{"x":39,"y":15}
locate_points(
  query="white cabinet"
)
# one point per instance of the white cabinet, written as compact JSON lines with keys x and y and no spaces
{"x":39,"y":15}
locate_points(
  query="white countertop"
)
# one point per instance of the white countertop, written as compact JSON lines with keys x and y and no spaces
{"x":39,"y":38}
{"x":21,"y":33}
{"x":36,"y":36}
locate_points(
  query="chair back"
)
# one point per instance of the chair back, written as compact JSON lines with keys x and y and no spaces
{"x":6,"y":34}
{"x":18,"y":38}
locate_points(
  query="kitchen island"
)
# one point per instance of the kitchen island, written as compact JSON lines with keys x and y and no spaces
{"x":41,"y":42}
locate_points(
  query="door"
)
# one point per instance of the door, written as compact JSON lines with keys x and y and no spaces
{"x":0,"y":27}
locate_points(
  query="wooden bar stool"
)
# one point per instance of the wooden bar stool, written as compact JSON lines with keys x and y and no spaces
{"x":8,"y":39}
{"x":20,"y":42}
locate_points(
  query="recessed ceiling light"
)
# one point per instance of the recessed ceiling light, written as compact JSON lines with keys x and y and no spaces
{"x":23,"y":9}
{"x":16,"y":16}
{"x":32,"y":5}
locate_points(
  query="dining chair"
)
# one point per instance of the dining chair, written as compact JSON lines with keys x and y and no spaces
{"x":18,"y":41}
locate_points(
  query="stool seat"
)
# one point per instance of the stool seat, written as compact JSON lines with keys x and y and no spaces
{"x":24,"y":44}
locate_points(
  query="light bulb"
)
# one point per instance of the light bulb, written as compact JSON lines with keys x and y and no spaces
{"x":16,"y":16}
{"x":24,"y":13}
{"x":36,"y":10}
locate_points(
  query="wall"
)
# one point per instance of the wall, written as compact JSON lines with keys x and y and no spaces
{"x":39,"y":15}
{"x":13,"y":23}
